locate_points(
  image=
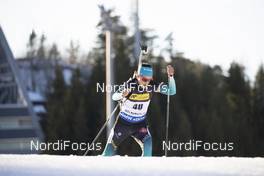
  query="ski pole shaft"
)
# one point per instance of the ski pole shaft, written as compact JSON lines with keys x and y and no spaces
{"x":167,"y":120}
{"x":102,"y":128}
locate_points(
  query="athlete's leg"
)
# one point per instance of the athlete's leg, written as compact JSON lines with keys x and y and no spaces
{"x":144,"y":139}
{"x":147,"y":145}
{"x":118,"y":134}
{"x":110,"y":149}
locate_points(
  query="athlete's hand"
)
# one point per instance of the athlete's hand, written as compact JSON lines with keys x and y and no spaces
{"x":125,"y":92}
{"x":170,"y":70}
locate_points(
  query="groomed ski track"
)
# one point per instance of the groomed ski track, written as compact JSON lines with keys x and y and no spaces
{"x":53,"y":165}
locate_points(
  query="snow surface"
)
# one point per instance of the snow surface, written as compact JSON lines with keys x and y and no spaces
{"x":53,"y":165}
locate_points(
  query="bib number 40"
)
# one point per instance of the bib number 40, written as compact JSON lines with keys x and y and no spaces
{"x":138,"y":106}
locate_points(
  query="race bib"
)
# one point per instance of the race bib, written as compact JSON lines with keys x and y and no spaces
{"x":135,"y":108}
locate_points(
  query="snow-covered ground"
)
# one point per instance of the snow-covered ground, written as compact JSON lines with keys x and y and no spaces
{"x":48,"y":165}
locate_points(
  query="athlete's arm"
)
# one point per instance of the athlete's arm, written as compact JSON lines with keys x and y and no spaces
{"x":123,"y":91}
{"x":119,"y":95}
{"x":169,"y":89}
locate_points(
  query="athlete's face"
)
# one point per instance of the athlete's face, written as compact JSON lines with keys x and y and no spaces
{"x":144,"y":80}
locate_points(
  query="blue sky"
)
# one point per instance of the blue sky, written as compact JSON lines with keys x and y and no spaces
{"x":214,"y":32}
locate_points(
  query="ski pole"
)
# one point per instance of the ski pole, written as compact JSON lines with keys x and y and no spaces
{"x":102,"y":128}
{"x":167,"y":119}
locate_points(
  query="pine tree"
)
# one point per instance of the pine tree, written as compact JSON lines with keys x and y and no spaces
{"x":239,"y":100}
{"x":75,"y":111}
{"x":73,"y":52}
{"x":54,"y":53}
{"x":258,"y":110}
{"x":32,"y":45}
{"x":55,"y":128}
{"x":41,"y":52}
